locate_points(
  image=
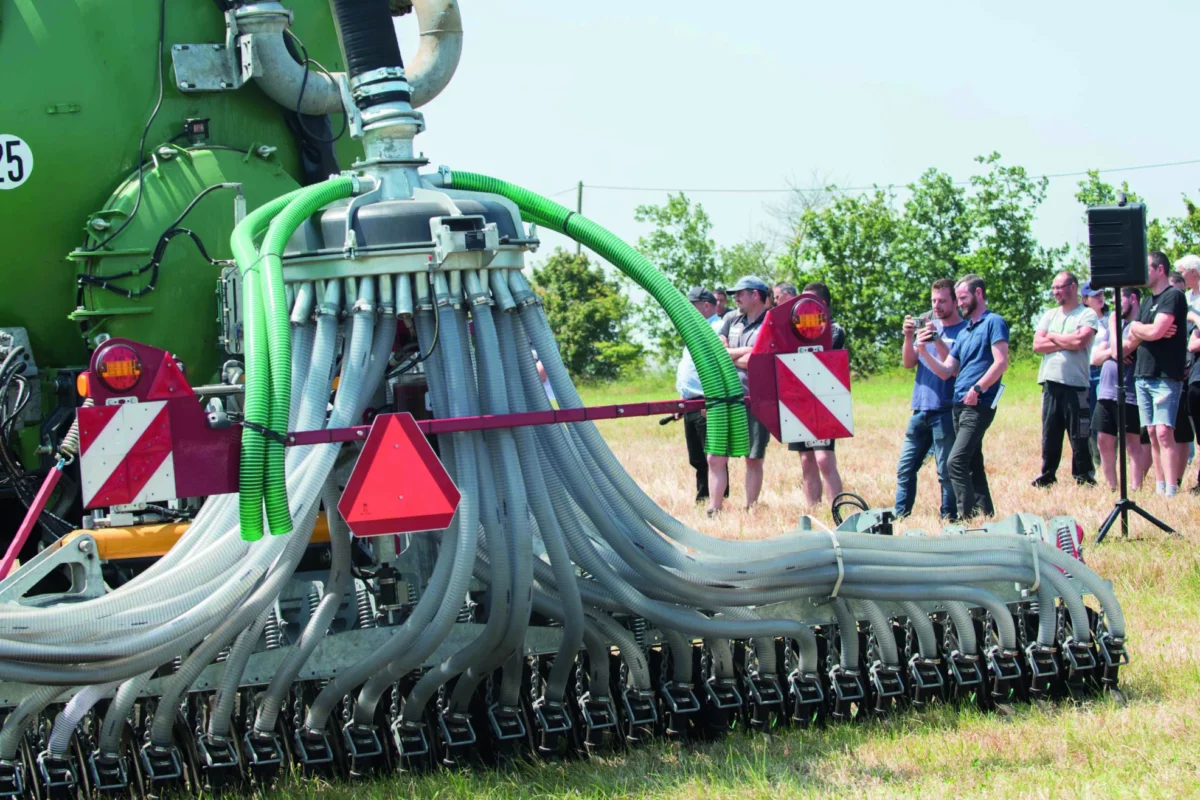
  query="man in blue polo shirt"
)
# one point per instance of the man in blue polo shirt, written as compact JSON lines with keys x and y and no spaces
{"x":931,"y":425}
{"x":978,"y":360}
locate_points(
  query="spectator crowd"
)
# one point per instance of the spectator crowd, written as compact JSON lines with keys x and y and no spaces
{"x":959,"y":350}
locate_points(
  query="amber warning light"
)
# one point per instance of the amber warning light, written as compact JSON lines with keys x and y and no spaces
{"x":119,"y":368}
{"x":809,"y":319}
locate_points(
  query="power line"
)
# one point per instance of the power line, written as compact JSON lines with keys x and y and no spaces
{"x":843,"y":189}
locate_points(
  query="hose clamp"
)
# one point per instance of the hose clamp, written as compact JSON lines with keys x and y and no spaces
{"x":363,"y":306}
{"x":837,"y":552}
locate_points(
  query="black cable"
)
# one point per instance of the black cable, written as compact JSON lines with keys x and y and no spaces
{"x":405,"y":366}
{"x":160,"y":249}
{"x":305,"y":60}
{"x":846,"y":499}
{"x":158,"y":60}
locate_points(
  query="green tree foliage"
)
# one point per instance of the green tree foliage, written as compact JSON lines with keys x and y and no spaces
{"x":879,"y":257}
{"x":589,"y":315}
{"x":681,"y":246}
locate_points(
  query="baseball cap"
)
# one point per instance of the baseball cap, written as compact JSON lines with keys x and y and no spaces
{"x":749,"y":282}
{"x":1086,"y":290}
{"x":698,"y":294}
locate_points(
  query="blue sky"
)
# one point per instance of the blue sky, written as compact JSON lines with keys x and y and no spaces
{"x":703,"y":94}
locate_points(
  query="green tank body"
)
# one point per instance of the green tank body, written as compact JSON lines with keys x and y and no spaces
{"x":81,"y":82}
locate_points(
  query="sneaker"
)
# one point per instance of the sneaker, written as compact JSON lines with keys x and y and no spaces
{"x":1043,"y":481}
{"x":1086,"y":481}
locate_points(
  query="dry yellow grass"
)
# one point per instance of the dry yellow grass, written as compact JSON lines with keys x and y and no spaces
{"x":1149,"y":747}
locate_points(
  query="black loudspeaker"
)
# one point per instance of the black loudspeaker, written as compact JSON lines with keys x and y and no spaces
{"x":1117,"y":241}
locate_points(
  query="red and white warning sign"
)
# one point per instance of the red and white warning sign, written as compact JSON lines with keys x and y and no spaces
{"x":126,"y":454}
{"x":814,"y":396}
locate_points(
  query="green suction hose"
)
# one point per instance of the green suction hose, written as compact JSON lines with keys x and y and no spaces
{"x":727,"y":425}
{"x":258,"y":390}
{"x":268,"y":350}
{"x":278,"y":334}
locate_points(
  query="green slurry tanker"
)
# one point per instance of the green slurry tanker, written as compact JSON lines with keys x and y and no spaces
{"x":282,"y":488}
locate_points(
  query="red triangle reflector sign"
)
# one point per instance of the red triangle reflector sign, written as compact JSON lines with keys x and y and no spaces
{"x":398,"y":484}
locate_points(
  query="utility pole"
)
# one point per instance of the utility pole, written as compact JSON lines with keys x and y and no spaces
{"x":579,"y":210}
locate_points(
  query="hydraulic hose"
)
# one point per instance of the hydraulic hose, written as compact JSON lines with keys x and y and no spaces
{"x":728,"y":433}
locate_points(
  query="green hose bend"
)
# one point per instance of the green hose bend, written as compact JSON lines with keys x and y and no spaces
{"x":256,"y":401}
{"x":278,"y":335}
{"x":727,"y":422}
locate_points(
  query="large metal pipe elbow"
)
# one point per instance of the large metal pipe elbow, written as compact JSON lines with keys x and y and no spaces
{"x":431,"y":69}
{"x":276,"y":71}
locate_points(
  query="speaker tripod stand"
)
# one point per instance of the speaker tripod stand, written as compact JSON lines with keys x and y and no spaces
{"x":1124,"y":505}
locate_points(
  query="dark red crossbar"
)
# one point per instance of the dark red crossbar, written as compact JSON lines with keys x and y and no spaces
{"x":492,"y":421}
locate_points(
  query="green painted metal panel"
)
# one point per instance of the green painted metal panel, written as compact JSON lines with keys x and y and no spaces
{"x":80,"y":82}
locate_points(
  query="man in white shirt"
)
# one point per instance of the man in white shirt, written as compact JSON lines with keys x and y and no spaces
{"x":687,"y":383}
{"x":1064,"y":340}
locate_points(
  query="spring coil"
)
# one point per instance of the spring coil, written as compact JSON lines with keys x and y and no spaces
{"x":272,"y":632}
{"x":466,"y":613}
{"x":366,"y":614}
{"x":639,"y":627}
{"x":314,"y":597}
{"x":70,"y":443}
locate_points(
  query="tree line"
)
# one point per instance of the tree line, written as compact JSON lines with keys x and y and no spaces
{"x":877,"y":253}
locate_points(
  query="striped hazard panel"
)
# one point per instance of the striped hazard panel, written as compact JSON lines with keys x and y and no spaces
{"x":814,"y":396}
{"x":125,"y":454}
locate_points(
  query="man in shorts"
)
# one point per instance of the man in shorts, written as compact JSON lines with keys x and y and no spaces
{"x":739,"y":332}
{"x":818,"y":461}
{"x":1104,"y":420}
{"x":1160,"y":337}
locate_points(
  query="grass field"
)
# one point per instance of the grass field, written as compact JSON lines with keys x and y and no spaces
{"x":1148,"y":747}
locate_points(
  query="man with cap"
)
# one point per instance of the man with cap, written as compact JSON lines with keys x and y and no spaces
{"x":1064,"y":340}
{"x":687,"y":383}
{"x":739,"y":331}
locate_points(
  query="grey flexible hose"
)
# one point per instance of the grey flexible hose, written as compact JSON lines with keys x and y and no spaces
{"x":722,"y":658}
{"x":23,"y":715}
{"x":318,"y":624}
{"x":881,"y":626}
{"x":221,"y":718}
{"x":764,"y":646}
{"x":70,"y":717}
{"x":117,"y":716}
{"x":681,"y":656}
{"x":923,"y":627}
{"x":437,"y":596}
{"x":631,"y":654}
{"x":964,"y":627}
{"x":847,"y":634}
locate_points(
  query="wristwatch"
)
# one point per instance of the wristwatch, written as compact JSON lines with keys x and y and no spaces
{"x":978,"y":389}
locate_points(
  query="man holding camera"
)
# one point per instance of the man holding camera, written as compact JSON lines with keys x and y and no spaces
{"x":977,"y":362}
{"x":1160,"y":338}
{"x":1064,"y":340}
{"x":931,"y":425}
